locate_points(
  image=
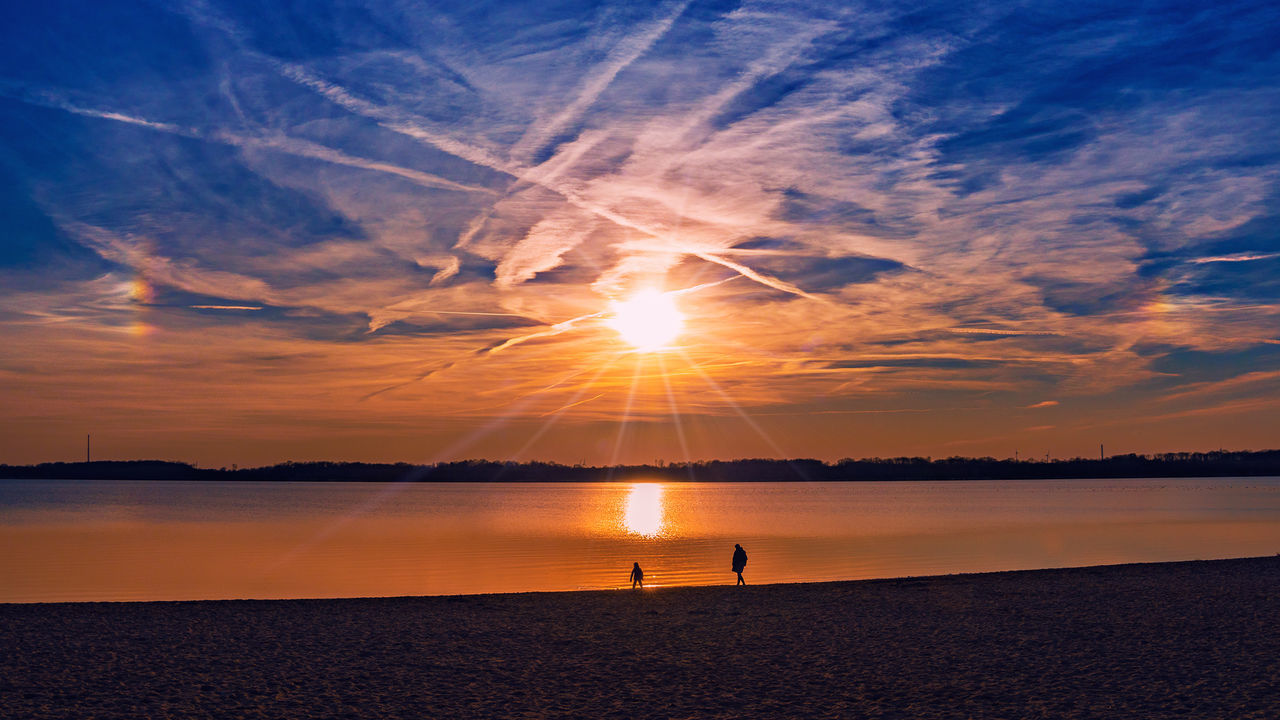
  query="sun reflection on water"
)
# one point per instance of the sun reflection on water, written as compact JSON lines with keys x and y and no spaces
{"x":643,"y":515}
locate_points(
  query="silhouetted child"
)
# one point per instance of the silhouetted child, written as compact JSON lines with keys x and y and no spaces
{"x":637,"y":576}
{"x":739,"y":562}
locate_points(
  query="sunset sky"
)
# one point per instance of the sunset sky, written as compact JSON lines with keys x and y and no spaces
{"x":388,"y":231}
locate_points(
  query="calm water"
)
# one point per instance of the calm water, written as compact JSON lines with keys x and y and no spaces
{"x":112,"y":540}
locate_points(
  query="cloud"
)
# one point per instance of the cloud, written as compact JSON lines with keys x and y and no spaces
{"x":1239,"y":257}
{"x":623,"y":53}
{"x":543,"y":247}
{"x":275,"y":142}
{"x":226,"y":307}
{"x":1043,"y":404}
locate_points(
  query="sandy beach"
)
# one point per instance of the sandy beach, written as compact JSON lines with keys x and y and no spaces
{"x":1174,"y":640}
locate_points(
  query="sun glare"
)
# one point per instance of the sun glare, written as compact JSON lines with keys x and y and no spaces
{"x":643,"y":515}
{"x":649,"y":320}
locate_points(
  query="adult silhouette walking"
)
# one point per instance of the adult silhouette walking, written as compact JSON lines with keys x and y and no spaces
{"x":637,"y":576}
{"x":739,"y":562}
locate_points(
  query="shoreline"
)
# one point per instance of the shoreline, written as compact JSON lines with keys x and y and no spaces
{"x":649,"y":589}
{"x":1148,"y":640}
{"x":1218,"y":463}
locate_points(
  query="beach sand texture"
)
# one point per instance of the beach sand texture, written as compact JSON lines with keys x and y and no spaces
{"x":1179,"y":640}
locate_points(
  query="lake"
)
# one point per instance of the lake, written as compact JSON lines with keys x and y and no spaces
{"x":147,"y":540}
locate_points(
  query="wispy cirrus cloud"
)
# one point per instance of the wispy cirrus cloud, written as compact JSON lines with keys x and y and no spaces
{"x":1238,"y":257}
{"x":1042,"y":404}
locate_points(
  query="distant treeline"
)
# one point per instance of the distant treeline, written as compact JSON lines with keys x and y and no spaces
{"x":1209,"y":464}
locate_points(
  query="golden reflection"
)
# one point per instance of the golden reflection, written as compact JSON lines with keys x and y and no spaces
{"x":643,"y":515}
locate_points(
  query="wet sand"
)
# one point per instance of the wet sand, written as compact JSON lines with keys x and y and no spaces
{"x":1174,"y":640}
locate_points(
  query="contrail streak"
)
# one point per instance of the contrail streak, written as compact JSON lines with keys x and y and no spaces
{"x":561,"y":409}
{"x":622,"y":55}
{"x":393,"y":121}
{"x":277,"y":143}
{"x":554,"y":330}
{"x":750,"y":274}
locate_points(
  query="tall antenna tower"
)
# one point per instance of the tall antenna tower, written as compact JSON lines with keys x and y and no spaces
{"x":87,"y":440}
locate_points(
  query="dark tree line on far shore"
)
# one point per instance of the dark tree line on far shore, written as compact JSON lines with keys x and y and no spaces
{"x":1219,"y":463}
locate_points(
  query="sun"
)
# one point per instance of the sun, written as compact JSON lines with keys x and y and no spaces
{"x":649,"y":320}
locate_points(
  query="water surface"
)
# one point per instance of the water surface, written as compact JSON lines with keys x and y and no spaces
{"x":146,"y":540}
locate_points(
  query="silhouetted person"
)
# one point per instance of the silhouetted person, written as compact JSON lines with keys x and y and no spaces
{"x":739,"y":562}
{"x":637,"y":576}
